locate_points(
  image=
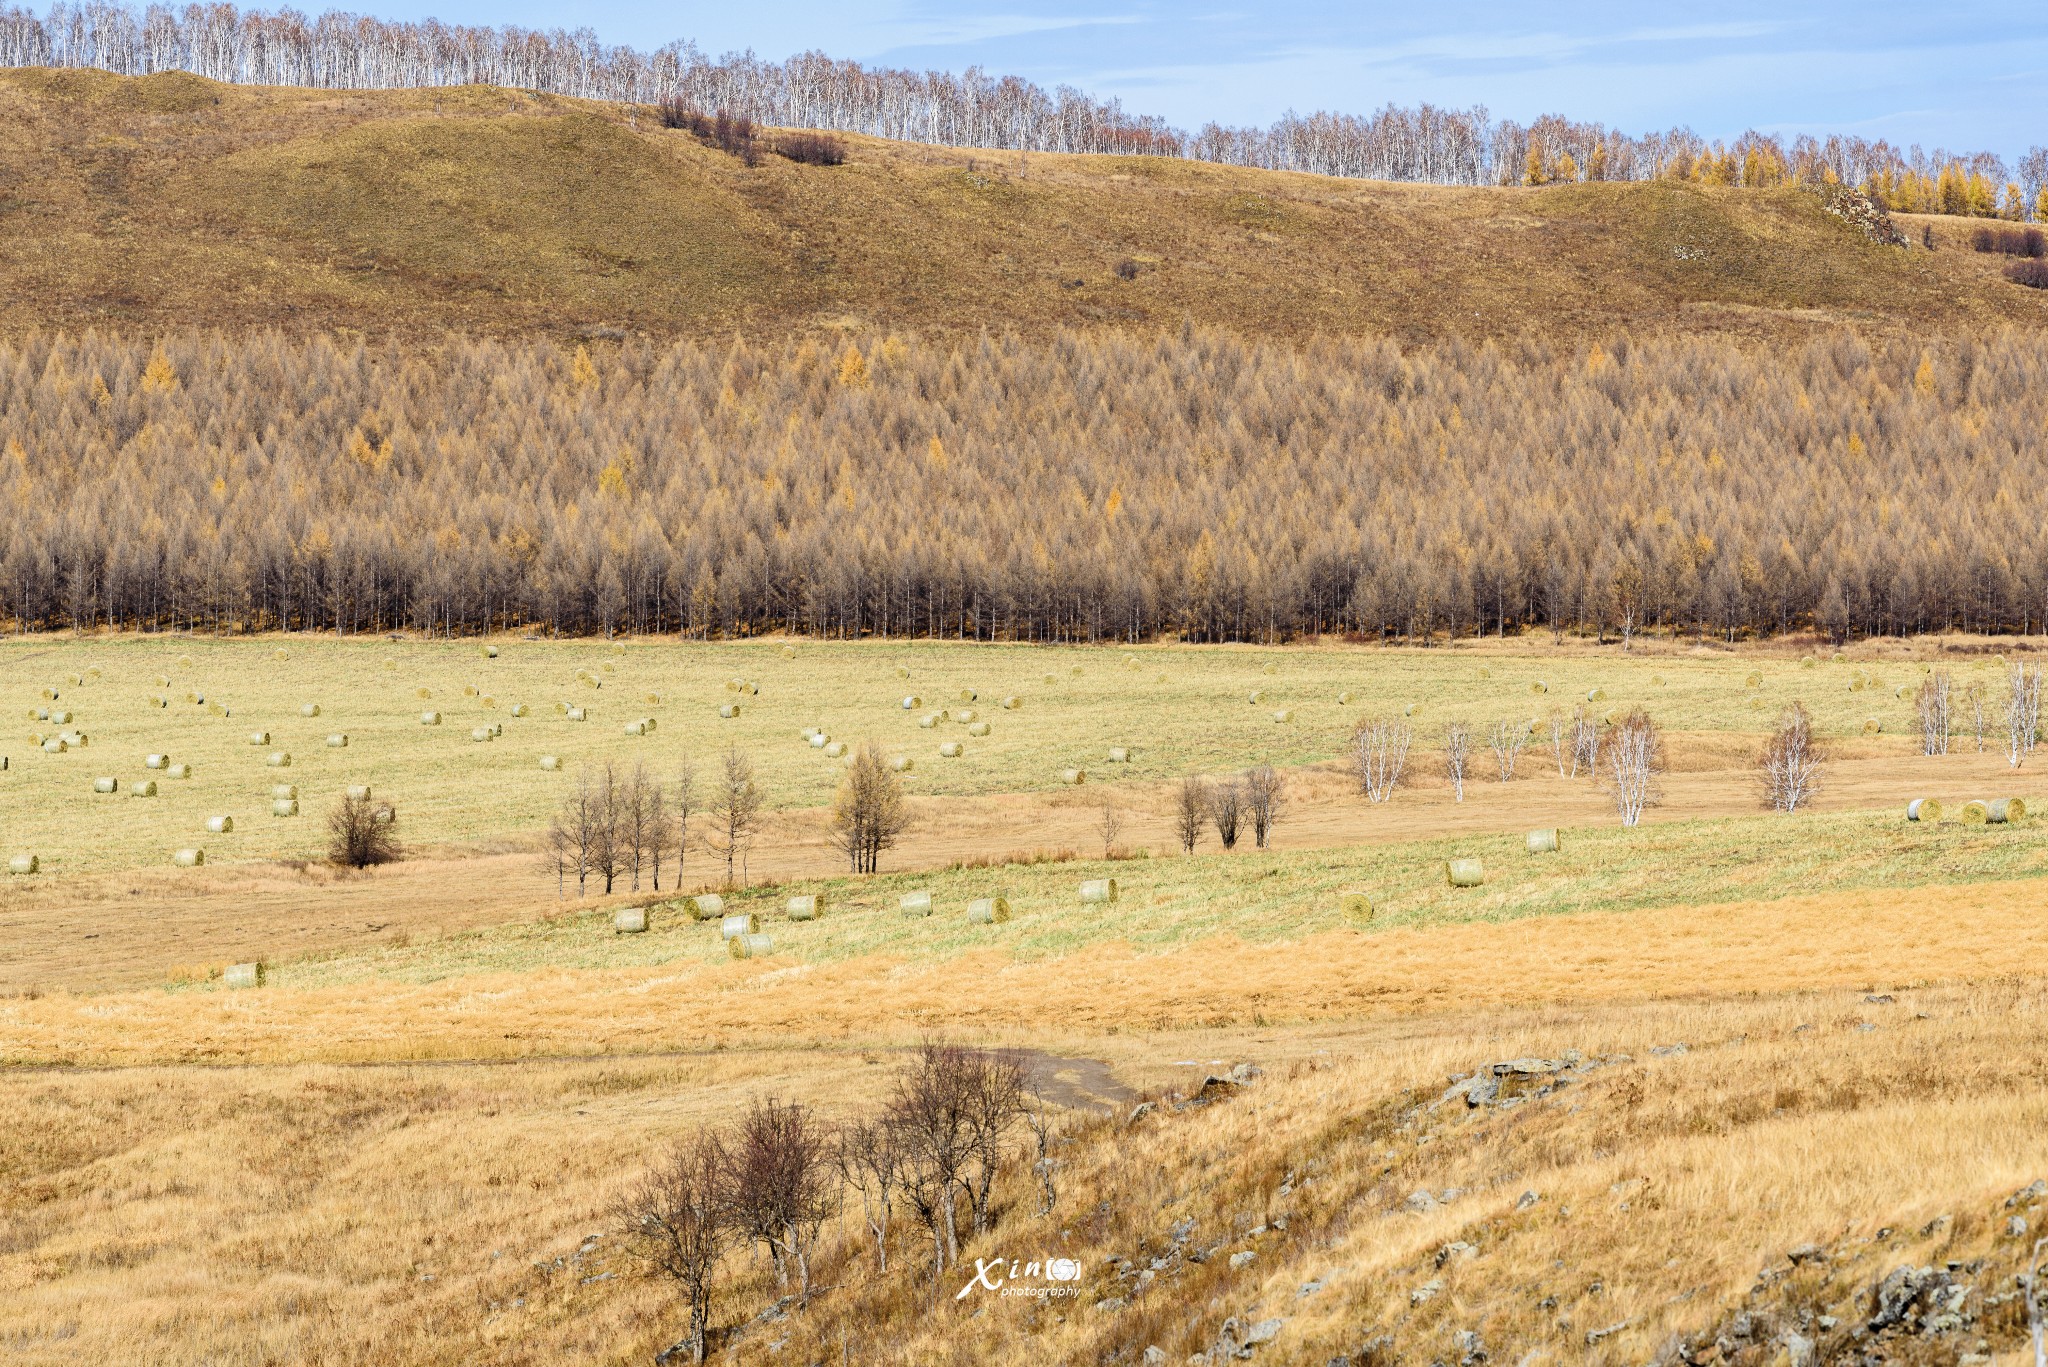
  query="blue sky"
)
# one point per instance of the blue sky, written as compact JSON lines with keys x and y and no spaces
{"x":1965,"y":77}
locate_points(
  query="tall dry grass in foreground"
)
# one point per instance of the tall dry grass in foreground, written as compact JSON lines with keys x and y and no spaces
{"x":424,"y":1215}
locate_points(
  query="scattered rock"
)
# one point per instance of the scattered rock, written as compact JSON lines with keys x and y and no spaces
{"x":1265,"y":1331}
{"x":1155,"y":1356}
{"x":1668,"y":1050}
{"x":2032,"y":1192}
{"x":1418,"y":1201}
{"x":1213,"y":1089}
{"x":1110,"y":1305}
{"x":1471,"y":1348}
{"x":1798,"y":1350}
{"x":1140,"y":1111}
{"x":1880,"y":998}
{"x":1238,"y":1260}
{"x":1593,"y":1336}
{"x":1310,"y":1288}
{"x":1457,"y":1249}
{"x":1862,"y":213}
{"x":1244,"y":1074}
{"x":1426,"y":1292}
{"x":2016,"y":1227}
{"x":1806,"y":1253}
{"x":1526,"y":1200}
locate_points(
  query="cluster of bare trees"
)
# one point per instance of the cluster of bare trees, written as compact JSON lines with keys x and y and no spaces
{"x":625,"y":824}
{"x":1254,"y":800}
{"x":936,"y":1152}
{"x":1231,"y":490}
{"x":870,"y":812}
{"x":1792,"y":763}
{"x":968,"y":109}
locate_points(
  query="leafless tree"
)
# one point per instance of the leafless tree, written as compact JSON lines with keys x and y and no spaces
{"x":678,"y":1223}
{"x":995,"y":1086}
{"x":362,"y":833}
{"x":639,"y":820}
{"x":575,"y":833}
{"x":2022,"y":711}
{"x":1935,"y":704}
{"x":1191,"y":812}
{"x":783,"y":1185}
{"x":1792,"y":763}
{"x":1573,"y":740}
{"x":1585,"y":740}
{"x":1978,"y":704}
{"x":1038,"y":1114}
{"x":1109,"y":824}
{"x":871,"y":1162}
{"x":869,"y":814}
{"x":1226,"y":810}
{"x":1634,"y":759}
{"x":1379,"y":755}
{"x":1507,"y":739}
{"x":928,"y":1117}
{"x":602,"y":798}
{"x":684,"y":807}
{"x":1265,"y":801}
{"x":735,"y":812}
{"x":1457,"y":754}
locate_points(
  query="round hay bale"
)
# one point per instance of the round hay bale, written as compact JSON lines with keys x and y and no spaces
{"x":359,"y":792}
{"x":242,"y":975}
{"x":902,"y":671}
{"x":489,"y":652}
{"x":178,"y":771}
{"x":2006,"y":810}
{"x":968,"y":695}
{"x":219,"y":825}
{"x":1974,"y":813}
{"x":1344,"y":698}
{"x":911,"y":702}
{"x":738,"y":923}
{"x":1835,"y":658}
{"x":1539,"y":687}
{"x":928,"y":720}
{"x":965,"y":715}
{"x":1872,"y":726}
{"x":835,"y":749}
{"x":1542,"y":842}
{"x":951,"y":749}
{"x":1283,"y":716}
{"x":144,"y":788}
{"x":1595,"y":694}
{"x":578,"y":714}
{"x":902,"y":764}
{"x":498,"y":728}
{"x":280,"y":655}
{"x":1258,"y":695}
{"x":1464,"y":873}
{"x":188,"y":859}
{"x":1902,"y":692}
{"x":629,"y":921}
{"x":1355,"y":907}
{"x":520,"y":709}
{"x":1411,"y":709}
{"x":1099,"y":891}
{"x":634,"y":728}
{"x":915,"y":904}
{"x":819,"y":740}
{"x":988,"y":911}
{"x":1856,"y":684}
{"x":55,"y":745}
{"x":337,"y":741}
{"x":93,"y":671}
{"x":487,"y":701}
{"x":259,"y":738}
{"x":1923,"y":809}
{"x":480,"y":733}
{"x":283,"y":792}
{"x":1012,"y":703}
{"x":60,"y":717}
{"x":1485,"y":672}
{"x":804,"y":907}
{"x":311,"y":709}
{"x":752,"y":690}
{"x":789,"y":652}
{"x":550,"y":763}
{"x":469,"y":690}
{"x":423,"y":692}
{"x":1075,"y":671}
{"x":1073,"y":777}
{"x":750,"y":946}
{"x":278,"y":759}
{"x":1119,"y":755}
{"x":980,"y":728}
{"x":156,"y":761}
{"x":1657,"y":679}
{"x":162,"y":681}
{"x":194,"y":699}
{"x":390,"y":664}
{"x":24,"y":863}
{"x":1756,"y":704}
{"x":707,"y":906}
{"x":1753,"y":680}
{"x":1806,"y":662}
{"x":1052,"y":678}
{"x":106,"y":785}
{"x":284,"y":807}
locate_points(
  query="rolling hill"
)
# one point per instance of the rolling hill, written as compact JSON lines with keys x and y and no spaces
{"x":172,"y":201}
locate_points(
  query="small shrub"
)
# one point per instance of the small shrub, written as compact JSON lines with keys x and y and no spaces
{"x":2032,"y":274}
{"x":812,"y":149}
{"x":2027,"y":242}
{"x":675,"y":113}
{"x":362,"y":833}
{"x":735,"y":137}
{"x":1127,"y":269}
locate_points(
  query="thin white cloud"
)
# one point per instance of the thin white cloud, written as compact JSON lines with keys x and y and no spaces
{"x":986,"y":28}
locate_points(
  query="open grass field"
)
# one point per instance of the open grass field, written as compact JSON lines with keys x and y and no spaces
{"x":170,"y":201}
{"x":1818,"y":1029}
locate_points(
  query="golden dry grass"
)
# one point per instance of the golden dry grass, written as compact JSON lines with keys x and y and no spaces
{"x":169,"y":200}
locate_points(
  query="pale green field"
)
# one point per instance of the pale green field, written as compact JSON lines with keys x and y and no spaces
{"x":1178,"y":709}
{"x":1172,"y":901}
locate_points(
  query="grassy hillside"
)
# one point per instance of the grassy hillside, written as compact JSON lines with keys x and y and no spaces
{"x":170,"y":200}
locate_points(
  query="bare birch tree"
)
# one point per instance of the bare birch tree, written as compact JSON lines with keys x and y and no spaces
{"x":735,"y":812}
{"x":2022,"y":711}
{"x":678,"y":1222}
{"x":1507,"y":739}
{"x":1379,"y":755}
{"x":1935,"y":704}
{"x":1634,"y":758}
{"x":1457,"y":754}
{"x":1791,"y":763}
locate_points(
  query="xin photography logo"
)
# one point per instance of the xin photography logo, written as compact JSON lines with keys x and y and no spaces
{"x":1012,"y":1277}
